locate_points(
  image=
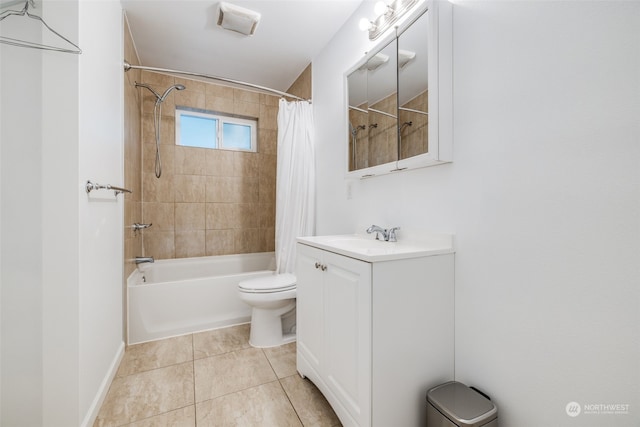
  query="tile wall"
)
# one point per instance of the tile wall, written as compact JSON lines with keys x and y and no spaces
{"x":132,"y":157}
{"x":209,"y":202}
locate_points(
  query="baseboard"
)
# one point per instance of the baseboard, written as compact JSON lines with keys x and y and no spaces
{"x":92,"y":413}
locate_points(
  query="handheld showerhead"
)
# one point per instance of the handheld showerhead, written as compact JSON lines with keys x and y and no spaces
{"x":160,"y":98}
{"x":157,"y":117}
{"x":166,"y":92}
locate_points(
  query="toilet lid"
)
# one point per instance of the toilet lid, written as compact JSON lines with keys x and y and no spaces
{"x":273,"y":283}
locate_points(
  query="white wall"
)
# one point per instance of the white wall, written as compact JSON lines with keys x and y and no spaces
{"x":543,"y":196}
{"x":61,"y":250}
{"x":101,"y":160}
{"x":21,"y":230}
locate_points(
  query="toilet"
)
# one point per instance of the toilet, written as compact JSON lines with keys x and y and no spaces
{"x":273,"y":302}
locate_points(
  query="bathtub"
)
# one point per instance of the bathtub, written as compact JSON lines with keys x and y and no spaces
{"x":179,"y":296}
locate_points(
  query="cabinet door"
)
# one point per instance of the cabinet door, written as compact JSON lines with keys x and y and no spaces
{"x":347,"y":319}
{"x":309,"y":328}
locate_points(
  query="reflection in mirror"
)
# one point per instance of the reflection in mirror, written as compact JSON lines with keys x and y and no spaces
{"x":383,"y":106}
{"x":413,"y":113}
{"x":358,"y":119}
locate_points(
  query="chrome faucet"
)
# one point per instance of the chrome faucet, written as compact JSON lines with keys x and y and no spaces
{"x":391,"y":236}
{"x":143,"y":259}
{"x":388,"y":235}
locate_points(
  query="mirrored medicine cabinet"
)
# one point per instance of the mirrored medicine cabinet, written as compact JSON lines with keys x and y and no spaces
{"x":399,"y":98}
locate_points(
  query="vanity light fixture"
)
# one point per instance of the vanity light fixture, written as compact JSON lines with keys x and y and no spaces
{"x":381,"y":8}
{"x":388,"y":14}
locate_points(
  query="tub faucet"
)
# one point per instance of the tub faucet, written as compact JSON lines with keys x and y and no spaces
{"x":143,"y":259}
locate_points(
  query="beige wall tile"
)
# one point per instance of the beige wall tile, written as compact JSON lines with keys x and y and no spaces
{"x":192,"y":85}
{"x":157,"y":189}
{"x":268,"y":118}
{"x":190,"y":243}
{"x":249,"y":241}
{"x":270,"y":238}
{"x":220,"y":163}
{"x":190,"y":160}
{"x":190,"y":216}
{"x":302,"y":86}
{"x":221,"y":189}
{"x":213,"y":192}
{"x":267,"y":99}
{"x":219,"y":105}
{"x":167,"y":158}
{"x":243,"y":95}
{"x":221,"y":216}
{"x":189,"y":188}
{"x":132,"y":157}
{"x":167,"y":130}
{"x":190,"y":98}
{"x":219,"y":242}
{"x":246,"y":164}
{"x":267,"y":191}
{"x":267,"y":166}
{"x":267,"y":141}
{"x":266,"y":213}
{"x":246,"y":189}
{"x":159,"y":244}
{"x":219,"y":91}
{"x":246,"y":109}
{"x":159,"y":214}
{"x":248,"y":215}
{"x":155,"y":79}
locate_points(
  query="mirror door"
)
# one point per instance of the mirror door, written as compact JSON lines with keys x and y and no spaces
{"x":413,"y":90}
{"x":382,"y":98}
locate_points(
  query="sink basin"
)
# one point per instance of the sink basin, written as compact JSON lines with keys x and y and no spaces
{"x":367,"y":248}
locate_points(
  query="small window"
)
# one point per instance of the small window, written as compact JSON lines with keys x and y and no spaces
{"x":207,"y":129}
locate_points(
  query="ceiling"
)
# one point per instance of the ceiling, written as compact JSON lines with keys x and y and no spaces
{"x":183,"y":35}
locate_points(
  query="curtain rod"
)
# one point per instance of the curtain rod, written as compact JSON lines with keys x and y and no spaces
{"x":128,"y":66}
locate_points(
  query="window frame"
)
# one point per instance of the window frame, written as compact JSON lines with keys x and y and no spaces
{"x":221,"y":119}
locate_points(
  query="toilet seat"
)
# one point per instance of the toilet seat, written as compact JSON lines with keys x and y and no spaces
{"x":269,"y":284}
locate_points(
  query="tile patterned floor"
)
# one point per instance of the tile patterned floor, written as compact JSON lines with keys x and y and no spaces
{"x":212,"y":378}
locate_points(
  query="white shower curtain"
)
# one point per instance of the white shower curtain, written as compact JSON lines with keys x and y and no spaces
{"x":295,"y":185}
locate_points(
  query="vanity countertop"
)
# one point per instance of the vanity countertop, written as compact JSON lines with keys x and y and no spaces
{"x":367,"y":248}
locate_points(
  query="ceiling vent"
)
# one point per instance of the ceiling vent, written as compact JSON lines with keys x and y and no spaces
{"x":238,"y":19}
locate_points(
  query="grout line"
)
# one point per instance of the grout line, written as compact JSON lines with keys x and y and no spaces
{"x":290,"y":402}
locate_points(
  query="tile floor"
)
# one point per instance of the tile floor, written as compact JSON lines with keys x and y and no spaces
{"x":212,"y":378}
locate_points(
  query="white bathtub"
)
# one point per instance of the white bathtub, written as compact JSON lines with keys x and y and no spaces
{"x":180,"y":296}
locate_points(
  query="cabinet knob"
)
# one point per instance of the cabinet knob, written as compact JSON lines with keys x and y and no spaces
{"x":323,"y":267}
{"x":318,"y":265}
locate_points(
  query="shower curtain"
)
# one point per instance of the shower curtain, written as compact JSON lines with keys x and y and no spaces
{"x":295,"y":181}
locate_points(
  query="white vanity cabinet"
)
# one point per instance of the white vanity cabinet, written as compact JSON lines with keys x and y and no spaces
{"x":375,"y":333}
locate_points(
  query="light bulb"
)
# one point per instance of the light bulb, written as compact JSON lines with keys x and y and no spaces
{"x":365,"y":24}
{"x":380,"y":8}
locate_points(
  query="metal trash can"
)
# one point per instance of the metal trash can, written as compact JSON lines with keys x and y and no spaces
{"x":453,"y":404}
